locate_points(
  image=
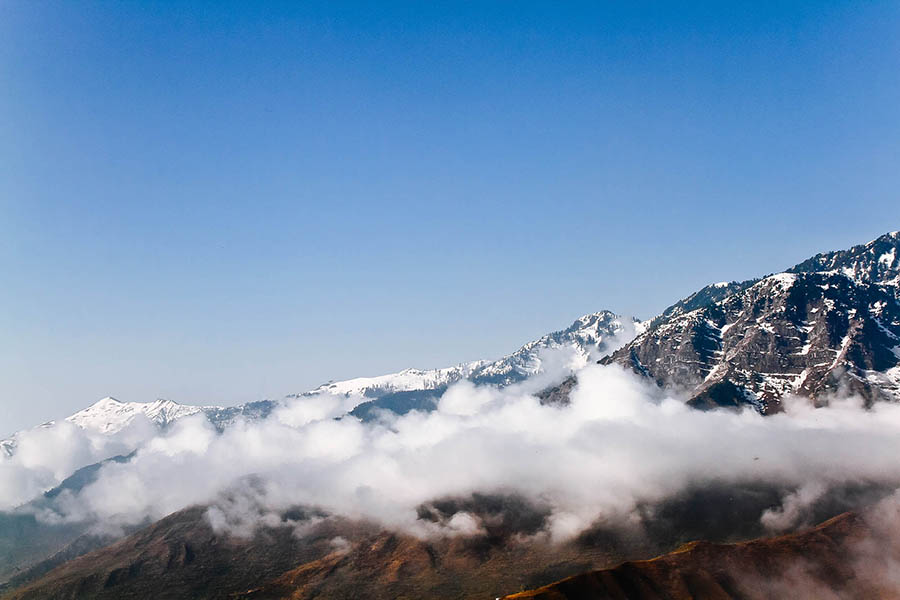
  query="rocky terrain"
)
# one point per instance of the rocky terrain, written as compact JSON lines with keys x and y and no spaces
{"x":826,"y":327}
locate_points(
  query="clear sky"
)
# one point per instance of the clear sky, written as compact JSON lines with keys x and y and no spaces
{"x":222,"y":202}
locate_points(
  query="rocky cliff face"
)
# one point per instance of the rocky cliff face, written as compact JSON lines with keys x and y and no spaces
{"x":829,"y":325}
{"x":877,"y":262}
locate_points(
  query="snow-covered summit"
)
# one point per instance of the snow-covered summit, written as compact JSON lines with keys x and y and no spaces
{"x":111,"y":416}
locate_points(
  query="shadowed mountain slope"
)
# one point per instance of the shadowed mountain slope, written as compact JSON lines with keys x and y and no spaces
{"x":822,"y":563}
{"x":311,"y":556}
{"x":182,"y":557}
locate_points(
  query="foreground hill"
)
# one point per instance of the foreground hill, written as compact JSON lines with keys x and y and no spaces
{"x":181,"y":556}
{"x":309,"y":555}
{"x":826,"y":562}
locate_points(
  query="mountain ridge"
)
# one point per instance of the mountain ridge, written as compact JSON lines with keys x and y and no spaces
{"x":592,"y":330}
{"x":826,"y":327}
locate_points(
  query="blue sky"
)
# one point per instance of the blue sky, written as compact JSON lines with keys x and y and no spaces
{"x":222,"y":202}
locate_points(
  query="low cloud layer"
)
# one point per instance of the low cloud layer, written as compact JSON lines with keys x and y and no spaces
{"x":620,"y":445}
{"x":46,"y":455}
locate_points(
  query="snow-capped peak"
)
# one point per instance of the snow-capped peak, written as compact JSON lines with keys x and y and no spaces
{"x":590,"y":334}
{"x":109,"y":415}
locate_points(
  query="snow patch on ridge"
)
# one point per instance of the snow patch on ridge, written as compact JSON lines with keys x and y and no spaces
{"x":402,"y":381}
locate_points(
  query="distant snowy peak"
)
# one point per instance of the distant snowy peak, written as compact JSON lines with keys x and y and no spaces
{"x":590,"y":335}
{"x":590,"y":330}
{"x":111,"y":416}
{"x":593,"y":334}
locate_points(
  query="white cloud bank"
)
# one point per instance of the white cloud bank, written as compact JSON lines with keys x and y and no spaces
{"x":46,"y":455}
{"x":621,"y":442}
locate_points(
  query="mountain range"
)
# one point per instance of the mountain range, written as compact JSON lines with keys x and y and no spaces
{"x":823,"y":329}
{"x":29,"y":546}
{"x":589,"y":337}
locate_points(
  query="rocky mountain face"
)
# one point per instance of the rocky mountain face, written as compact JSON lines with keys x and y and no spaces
{"x":877,"y":262}
{"x":703,"y":297}
{"x":829,"y":325}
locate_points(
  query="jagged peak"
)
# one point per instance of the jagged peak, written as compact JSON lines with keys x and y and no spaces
{"x":589,"y":329}
{"x":164,"y":402}
{"x":890,"y":236}
{"x":107,"y":400}
{"x":110,"y":401}
{"x":591,"y":318}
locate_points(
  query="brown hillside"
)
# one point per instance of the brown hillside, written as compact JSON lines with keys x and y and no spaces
{"x":825,"y":562}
